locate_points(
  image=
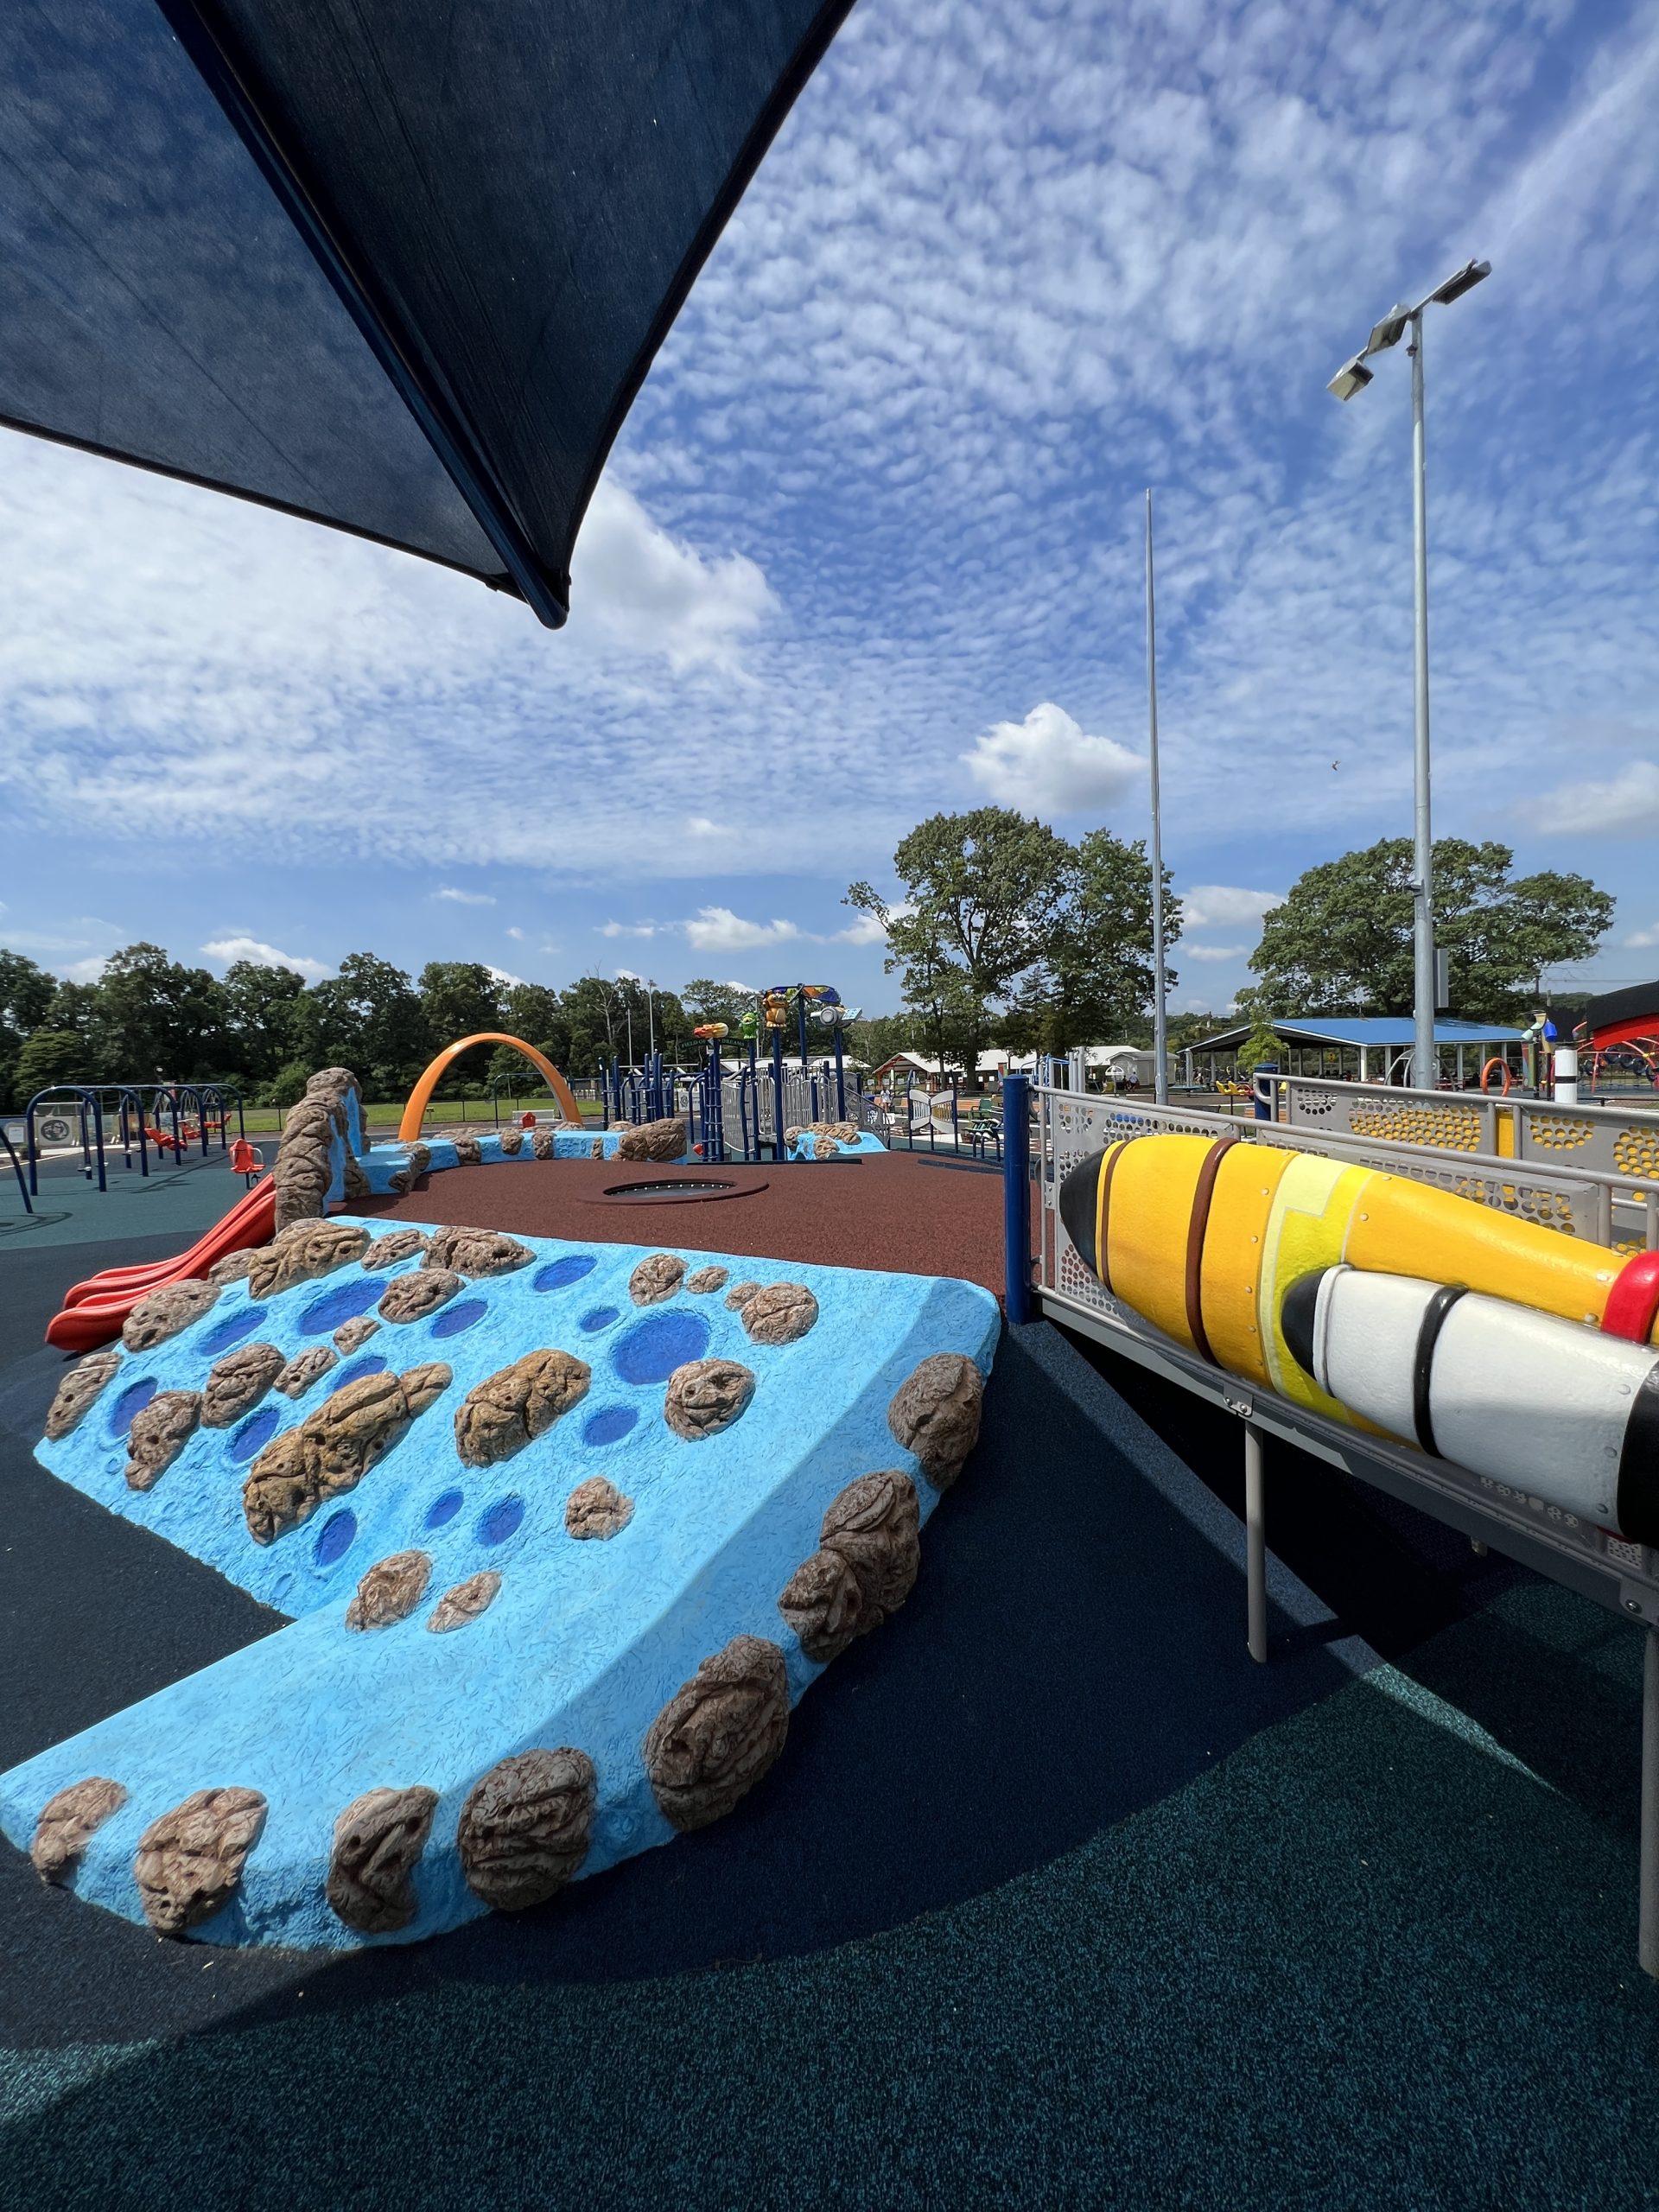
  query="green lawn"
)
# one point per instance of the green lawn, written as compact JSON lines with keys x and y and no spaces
{"x":265,"y":1121}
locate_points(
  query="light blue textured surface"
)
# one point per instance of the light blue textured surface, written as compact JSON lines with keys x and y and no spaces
{"x":587,"y":1640}
{"x":802,"y":1147}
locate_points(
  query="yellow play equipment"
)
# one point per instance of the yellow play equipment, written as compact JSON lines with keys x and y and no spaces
{"x":420,"y":1097}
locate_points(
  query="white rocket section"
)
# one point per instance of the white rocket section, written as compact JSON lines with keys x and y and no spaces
{"x":1365,"y":1344}
{"x":1535,"y":1401}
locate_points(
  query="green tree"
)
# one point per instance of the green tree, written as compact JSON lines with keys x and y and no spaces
{"x":47,"y":1058}
{"x":263,"y":1019}
{"x":704,"y":999}
{"x":368,"y":1019}
{"x":459,"y":998}
{"x":983,"y":894}
{"x":155,"y":1017}
{"x":534,"y":1013}
{"x":1097,"y":980}
{"x":1342,"y":941}
{"x":26,"y":992}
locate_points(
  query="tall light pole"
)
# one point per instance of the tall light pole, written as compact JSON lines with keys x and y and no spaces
{"x":1160,"y":1012}
{"x":650,"y":1010}
{"x":1353,"y":376}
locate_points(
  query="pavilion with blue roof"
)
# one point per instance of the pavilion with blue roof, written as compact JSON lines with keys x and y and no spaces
{"x":1364,"y":1047}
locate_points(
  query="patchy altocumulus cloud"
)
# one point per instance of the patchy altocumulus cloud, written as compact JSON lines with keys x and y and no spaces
{"x":464,"y":898}
{"x":1622,"y":805}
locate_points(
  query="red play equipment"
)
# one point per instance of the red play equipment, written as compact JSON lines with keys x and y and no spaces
{"x":93,"y":1311}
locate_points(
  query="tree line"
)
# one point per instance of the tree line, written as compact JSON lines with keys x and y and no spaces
{"x":149,"y":1018}
{"x":1005,"y":933}
{"x":1008,"y":933}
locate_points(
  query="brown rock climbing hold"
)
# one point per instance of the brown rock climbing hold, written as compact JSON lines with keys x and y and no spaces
{"x":303,"y":1369}
{"x":543,"y":1144}
{"x":165,"y":1311}
{"x":825,"y":1148}
{"x":378,"y":1840}
{"x":596,"y":1148}
{"x":739,"y":1294}
{"x":333,"y":1448}
{"x":705,"y":1396}
{"x":664,"y":1140}
{"x":875,"y":1524}
{"x":511,"y":1407}
{"x":416,"y":1160}
{"x":421,"y":1291}
{"x":707,"y":1279}
{"x":524,"y":1829}
{"x":350,"y":1334}
{"x":77,"y":1390}
{"x":236,"y":1383}
{"x":719,"y":1733}
{"x":511,"y":1141}
{"x":160,"y":1432}
{"x":823,"y":1603}
{"x":934,"y":1414}
{"x":398,"y":1244}
{"x":390,"y":1591}
{"x":476,"y":1252}
{"x":304,"y":1165}
{"x":656,"y":1278}
{"x":781,"y":1313}
{"x":232,"y":1269}
{"x":596,"y":1509}
{"x":189,"y":1861}
{"x":464,"y":1601}
{"x":467,"y":1153}
{"x":303,"y":1252}
{"x":67,"y":1822}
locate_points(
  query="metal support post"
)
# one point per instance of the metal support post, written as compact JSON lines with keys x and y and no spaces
{"x":1425,"y":1069}
{"x":1016,"y":1202}
{"x":1160,"y":1020}
{"x":1255,"y":1547}
{"x":1648,"y":1917}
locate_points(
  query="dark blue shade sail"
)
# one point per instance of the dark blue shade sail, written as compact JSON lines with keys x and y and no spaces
{"x":388,"y":265}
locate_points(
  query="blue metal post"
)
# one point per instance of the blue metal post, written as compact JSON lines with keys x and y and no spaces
{"x":716,"y":1101}
{"x":778,"y":1094}
{"x":840,"y":1080}
{"x":1016,"y":1201}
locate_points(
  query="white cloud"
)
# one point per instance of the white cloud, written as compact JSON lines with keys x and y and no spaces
{"x":464,"y":898}
{"x":504,"y":976}
{"x":229,"y":949}
{"x":84,"y":972}
{"x":1186,"y":951}
{"x":1640,"y":940}
{"x":1210,"y":906}
{"x":867,"y":930}
{"x":627,"y":929}
{"x":1624,"y":805}
{"x":1049,"y":764}
{"x":651,"y":593}
{"x":717,"y":929}
{"x":515,"y":932}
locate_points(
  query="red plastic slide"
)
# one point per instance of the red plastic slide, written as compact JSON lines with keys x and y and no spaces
{"x":94,"y":1310}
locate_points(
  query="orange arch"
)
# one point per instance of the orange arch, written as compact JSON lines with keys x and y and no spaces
{"x":415,"y":1113}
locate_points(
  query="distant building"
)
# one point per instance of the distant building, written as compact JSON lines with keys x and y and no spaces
{"x":1359,"y":1048}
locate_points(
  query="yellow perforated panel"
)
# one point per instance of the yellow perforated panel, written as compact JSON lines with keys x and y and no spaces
{"x":1454,"y":1128}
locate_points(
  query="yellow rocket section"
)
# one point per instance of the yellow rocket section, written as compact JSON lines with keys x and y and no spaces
{"x":1149,"y":1217}
{"x":1234,"y":1254}
{"x":1409,"y":1229}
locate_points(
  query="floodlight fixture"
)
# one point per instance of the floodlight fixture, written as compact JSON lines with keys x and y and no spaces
{"x":1353,"y":376}
{"x":1390,"y":331}
{"x":1465,"y":280}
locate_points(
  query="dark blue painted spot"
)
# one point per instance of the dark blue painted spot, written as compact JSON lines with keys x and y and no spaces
{"x":232,"y":1331}
{"x":608,"y":1424}
{"x":558,"y":1273}
{"x":497,"y":1522}
{"x":255,"y":1434}
{"x":336,"y":1540}
{"x":354,"y":1373}
{"x":132,"y":1400}
{"x":340,"y":1303}
{"x":599,"y":1317}
{"x":453,"y":1319}
{"x":656,"y":1346}
{"x":443,"y":1509}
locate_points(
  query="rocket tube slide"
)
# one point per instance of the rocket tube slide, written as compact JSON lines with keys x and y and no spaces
{"x":1564,"y":1412}
{"x":1212,"y":1241}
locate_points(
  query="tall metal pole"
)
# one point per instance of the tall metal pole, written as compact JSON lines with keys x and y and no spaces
{"x":1159,"y":1020}
{"x":1425,"y":1068}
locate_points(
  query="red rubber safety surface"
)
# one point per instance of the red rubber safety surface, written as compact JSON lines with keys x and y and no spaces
{"x":1633,"y":1302}
{"x":892,"y":1212}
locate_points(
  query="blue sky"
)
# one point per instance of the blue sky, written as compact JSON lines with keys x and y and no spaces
{"x":870,"y":543}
